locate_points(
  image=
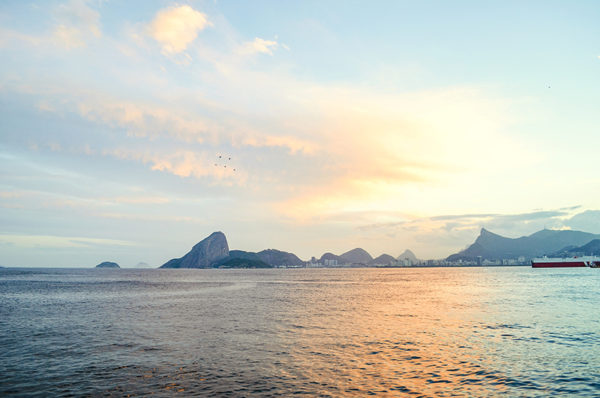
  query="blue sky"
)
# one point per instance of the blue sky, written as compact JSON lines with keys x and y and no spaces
{"x":385,"y":125}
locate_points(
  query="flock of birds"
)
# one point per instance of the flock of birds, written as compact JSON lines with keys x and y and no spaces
{"x":222,"y":159}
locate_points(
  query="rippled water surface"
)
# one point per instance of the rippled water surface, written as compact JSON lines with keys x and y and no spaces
{"x":513,"y":331}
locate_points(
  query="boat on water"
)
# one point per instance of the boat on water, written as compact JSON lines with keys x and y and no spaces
{"x":550,"y":262}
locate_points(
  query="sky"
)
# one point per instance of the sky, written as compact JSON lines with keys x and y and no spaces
{"x":386,"y":125}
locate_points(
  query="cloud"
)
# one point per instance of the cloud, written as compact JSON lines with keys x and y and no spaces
{"x":10,"y":195}
{"x":509,"y":224}
{"x":316,"y":148}
{"x":375,"y":147}
{"x":140,"y":200}
{"x":535,"y":215}
{"x":151,"y":121}
{"x":588,"y":221}
{"x":9,"y":36}
{"x":147,"y":120}
{"x":150,"y":217}
{"x":259,"y":46}
{"x":77,"y":24}
{"x":69,"y":36}
{"x":293,"y":144}
{"x":49,"y":241}
{"x":461,"y":217}
{"x":182,"y":163}
{"x":176,"y":27}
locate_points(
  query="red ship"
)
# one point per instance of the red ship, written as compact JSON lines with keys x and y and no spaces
{"x":547,"y":262}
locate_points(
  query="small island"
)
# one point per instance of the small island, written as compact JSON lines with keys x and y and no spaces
{"x":108,"y":264}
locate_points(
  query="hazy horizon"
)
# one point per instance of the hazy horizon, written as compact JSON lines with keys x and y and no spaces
{"x":131,"y":131}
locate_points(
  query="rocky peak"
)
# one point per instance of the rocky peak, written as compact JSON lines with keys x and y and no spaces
{"x":357,"y":256}
{"x":204,"y":254}
{"x":407,"y":254}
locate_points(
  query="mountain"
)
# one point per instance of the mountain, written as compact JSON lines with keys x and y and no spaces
{"x":384,"y":259}
{"x":278,"y":257}
{"x":408,"y":254}
{"x":204,"y":254}
{"x":107,"y":264}
{"x":241,"y":254}
{"x":142,"y":265}
{"x":491,"y":246}
{"x":238,"y":262}
{"x":270,"y":257}
{"x":592,"y":248}
{"x":356,"y":256}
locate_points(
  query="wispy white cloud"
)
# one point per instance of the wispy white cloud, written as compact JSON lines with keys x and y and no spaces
{"x":12,"y":37}
{"x":138,"y":200}
{"x":176,"y":27}
{"x":69,"y":36}
{"x":588,"y":220}
{"x":511,"y":225}
{"x":259,"y":46}
{"x":77,"y":23}
{"x":147,"y":120}
{"x":149,"y":217}
{"x":49,"y":241}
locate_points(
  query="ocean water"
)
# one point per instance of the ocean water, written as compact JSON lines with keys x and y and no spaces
{"x":430,"y":332}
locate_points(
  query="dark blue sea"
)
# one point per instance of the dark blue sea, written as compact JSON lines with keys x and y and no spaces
{"x":427,"y":332}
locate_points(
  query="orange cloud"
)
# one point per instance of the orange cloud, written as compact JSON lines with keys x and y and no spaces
{"x":182,"y":163}
{"x":176,"y":27}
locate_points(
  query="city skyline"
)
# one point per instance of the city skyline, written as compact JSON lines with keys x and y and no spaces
{"x":386,"y":126}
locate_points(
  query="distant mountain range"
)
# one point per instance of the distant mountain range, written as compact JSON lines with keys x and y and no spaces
{"x":214,"y":251}
{"x":591,"y":248}
{"x":491,"y":246}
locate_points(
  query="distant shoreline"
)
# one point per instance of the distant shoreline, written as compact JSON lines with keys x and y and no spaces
{"x":304,"y":268}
